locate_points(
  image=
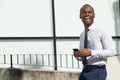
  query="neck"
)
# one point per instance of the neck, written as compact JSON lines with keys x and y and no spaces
{"x":87,"y":25}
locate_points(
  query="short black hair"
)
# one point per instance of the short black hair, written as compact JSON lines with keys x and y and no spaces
{"x":86,"y":5}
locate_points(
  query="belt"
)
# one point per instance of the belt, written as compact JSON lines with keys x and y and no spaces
{"x":90,"y":67}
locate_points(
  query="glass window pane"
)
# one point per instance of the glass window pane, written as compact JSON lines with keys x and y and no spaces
{"x":66,"y":46}
{"x":65,"y":58}
{"x":25,"y":18}
{"x":30,"y":53}
{"x":69,"y":24}
{"x":27,"y":47}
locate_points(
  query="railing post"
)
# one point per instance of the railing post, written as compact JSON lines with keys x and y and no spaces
{"x":54,"y":35}
{"x":12,"y":77}
{"x":11,"y":61}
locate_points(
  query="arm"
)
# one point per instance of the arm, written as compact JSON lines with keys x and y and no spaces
{"x":108,"y":47}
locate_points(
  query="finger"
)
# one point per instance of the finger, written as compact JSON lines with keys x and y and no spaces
{"x":78,"y":54}
{"x":83,"y":50}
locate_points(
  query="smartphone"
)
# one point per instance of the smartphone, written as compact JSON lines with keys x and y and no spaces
{"x":75,"y":49}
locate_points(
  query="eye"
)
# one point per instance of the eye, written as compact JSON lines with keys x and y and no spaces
{"x":90,"y":12}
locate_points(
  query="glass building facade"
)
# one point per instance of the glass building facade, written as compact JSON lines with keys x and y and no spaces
{"x":51,"y":26}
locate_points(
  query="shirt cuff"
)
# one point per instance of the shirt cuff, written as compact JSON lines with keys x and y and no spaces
{"x":93,"y":53}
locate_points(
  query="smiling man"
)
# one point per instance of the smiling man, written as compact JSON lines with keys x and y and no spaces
{"x":96,"y":45}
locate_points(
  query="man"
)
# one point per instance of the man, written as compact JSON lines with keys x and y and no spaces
{"x":99,"y":47}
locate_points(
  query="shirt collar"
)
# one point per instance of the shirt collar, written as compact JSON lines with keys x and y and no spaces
{"x":92,"y":26}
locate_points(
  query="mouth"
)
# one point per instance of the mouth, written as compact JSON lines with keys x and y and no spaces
{"x":86,"y":19}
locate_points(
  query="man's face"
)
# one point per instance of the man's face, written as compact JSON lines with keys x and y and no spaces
{"x":87,"y":15}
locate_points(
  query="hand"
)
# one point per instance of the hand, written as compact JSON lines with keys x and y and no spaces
{"x":85,"y":52}
{"x":82,"y":53}
{"x":77,"y":53}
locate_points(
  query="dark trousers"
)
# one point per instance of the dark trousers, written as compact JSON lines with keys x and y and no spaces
{"x":93,"y":74}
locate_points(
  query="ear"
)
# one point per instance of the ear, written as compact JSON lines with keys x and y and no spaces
{"x":80,"y":16}
{"x":94,"y":15}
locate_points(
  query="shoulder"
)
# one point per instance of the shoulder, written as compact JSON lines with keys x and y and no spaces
{"x":102,"y":29}
{"x":104,"y":32}
{"x":82,"y":33}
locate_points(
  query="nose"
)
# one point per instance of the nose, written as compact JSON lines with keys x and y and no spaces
{"x":87,"y":14}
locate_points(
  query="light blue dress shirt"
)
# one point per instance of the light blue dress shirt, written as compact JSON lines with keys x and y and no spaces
{"x":100,"y":43}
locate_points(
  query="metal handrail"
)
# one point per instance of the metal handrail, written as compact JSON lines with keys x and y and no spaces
{"x":44,"y":60}
{"x":64,"y":60}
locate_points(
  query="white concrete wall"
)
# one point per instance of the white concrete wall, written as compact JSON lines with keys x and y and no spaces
{"x":19,"y":74}
{"x":113,"y":68}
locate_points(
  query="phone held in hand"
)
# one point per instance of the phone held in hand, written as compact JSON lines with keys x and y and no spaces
{"x":78,"y":58}
{"x":75,"y":49}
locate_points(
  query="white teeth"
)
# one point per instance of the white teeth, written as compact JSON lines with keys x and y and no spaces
{"x":86,"y":17}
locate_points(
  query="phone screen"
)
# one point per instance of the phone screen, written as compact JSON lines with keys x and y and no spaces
{"x":75,"y":49}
